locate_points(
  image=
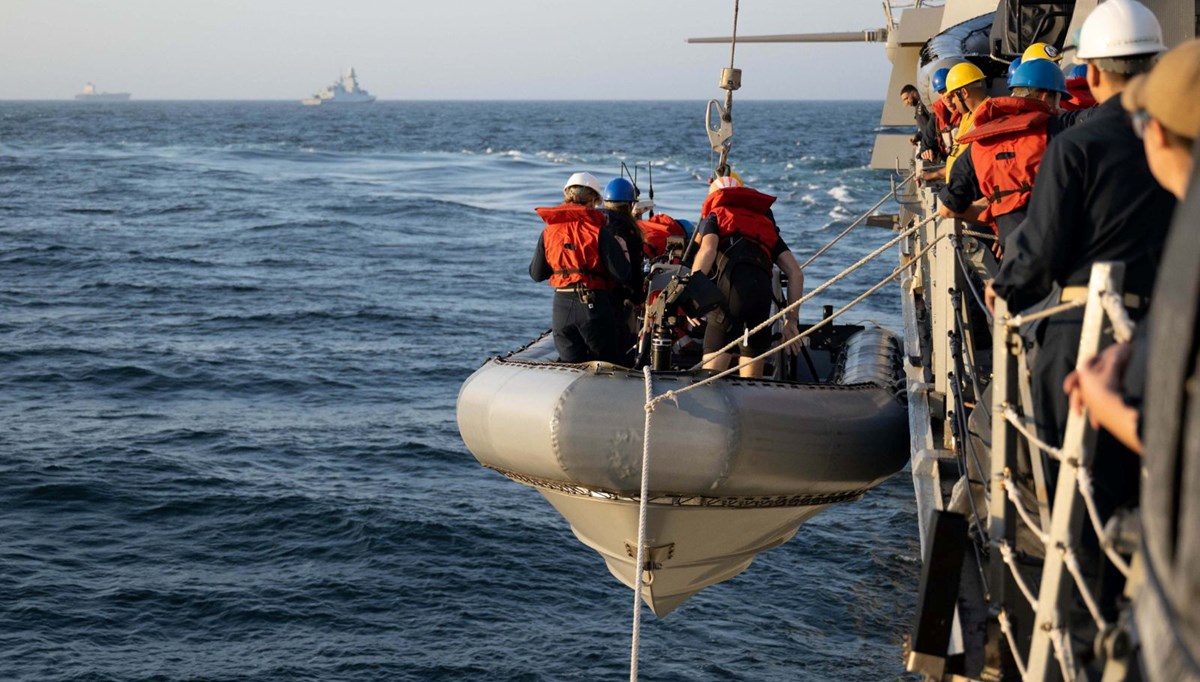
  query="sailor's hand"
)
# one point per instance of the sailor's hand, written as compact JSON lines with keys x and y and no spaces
{"x":1098,"y":379}
{"x":989,"y":298}
{"x":791,"y":329}
{"x":927,"y":156}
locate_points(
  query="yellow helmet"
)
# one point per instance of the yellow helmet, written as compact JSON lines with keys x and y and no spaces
{"x":962,"y":75}
{"x":1041,"y":51}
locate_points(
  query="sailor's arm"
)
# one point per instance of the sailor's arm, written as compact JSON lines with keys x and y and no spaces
{"x":539,"y":269}
{"x":709,"y":241}
{"x":795,"y":290}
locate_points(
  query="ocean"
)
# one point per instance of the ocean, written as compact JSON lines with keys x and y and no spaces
{"x":231,"y":339}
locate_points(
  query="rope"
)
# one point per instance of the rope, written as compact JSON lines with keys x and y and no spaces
{"x":1010,"y":491}
{"x":1015,"y":419}
{"x":1114,"y":305}
{"x":635,"y":646}
{"x":672,"y":395}
{"x":836,"y":278}
{"x":733,"y":38}
{"x":1062,"y":652}
{"x":1072,"y":564}
{"x":1084,"y":477}
{"x":1006,"y":627}
{"x":857,"y":222}
{"x":1019,"y":320}
{"x":1007,"y":554}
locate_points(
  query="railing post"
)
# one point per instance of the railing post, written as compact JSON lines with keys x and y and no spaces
{"x":1057,"y":585}
{"x":1001,"y":523}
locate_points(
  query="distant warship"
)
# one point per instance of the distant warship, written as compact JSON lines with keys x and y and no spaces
{"x":344,"y":91}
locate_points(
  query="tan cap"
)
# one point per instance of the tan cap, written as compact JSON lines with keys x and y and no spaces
{"x":1170,"y":91}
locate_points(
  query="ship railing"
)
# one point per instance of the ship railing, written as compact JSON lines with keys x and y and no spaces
{"x":1052,"y":621}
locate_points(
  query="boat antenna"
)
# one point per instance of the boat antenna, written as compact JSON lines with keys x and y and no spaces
{"x":720,"y":135}
{"x":650,"y":177}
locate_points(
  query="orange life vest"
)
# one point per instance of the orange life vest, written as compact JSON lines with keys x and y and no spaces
{"x":655,"y":232}
{"x":572,"y":242}
{"x":1007,"y":145}
{"x":1081,"y":95}
{"x":742,"y":212}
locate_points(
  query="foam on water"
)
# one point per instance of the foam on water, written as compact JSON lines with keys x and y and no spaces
{"x":232,"y":341}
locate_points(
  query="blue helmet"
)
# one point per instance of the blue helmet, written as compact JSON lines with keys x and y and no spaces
{"x":1012,"y":68}
{"x":688,"y":227}
{"x":1042,"y":74}
{"x":939,"y":80}
{"x":620,"y":189}
{"x":1077,"y":71}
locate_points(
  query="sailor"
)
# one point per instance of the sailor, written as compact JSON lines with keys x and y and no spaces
{"x":1094,"y":199}
{"x":656,"y":230}
{"x":1111,"y":385}
{"x":1081,"y":96}
{"x":739,"y":245}
{"x":944,"y":115}
{"x":1041,"y":51}
{"x":585,"y":263}
{"x":619,"y":197}
{"x":967,"y":91}
{"x":1012,"y":69}
{"x":926,"y":137}
{"x":1005,"y":150}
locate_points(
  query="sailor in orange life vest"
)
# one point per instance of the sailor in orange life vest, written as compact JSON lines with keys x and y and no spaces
{"x":585,"y":264}
{"x":1006,"y":146}
{"x":739,"y":244}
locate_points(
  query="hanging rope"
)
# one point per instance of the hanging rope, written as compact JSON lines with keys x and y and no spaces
{"x":639,"y":567}
{"x":1010,"y":491}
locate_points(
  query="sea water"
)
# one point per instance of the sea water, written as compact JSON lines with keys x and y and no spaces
{"x":231,"y":338}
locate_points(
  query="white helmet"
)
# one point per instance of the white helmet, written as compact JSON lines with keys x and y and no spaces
{"x":1119,"y":28}
{"x":584,"y":180}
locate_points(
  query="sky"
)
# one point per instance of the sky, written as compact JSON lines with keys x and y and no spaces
{"x":432,"y":49}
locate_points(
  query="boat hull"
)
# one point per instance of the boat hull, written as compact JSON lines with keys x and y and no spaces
{"x":735,"y":466}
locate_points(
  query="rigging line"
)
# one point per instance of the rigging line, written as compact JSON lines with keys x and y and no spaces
{"x":733,"y":38}
{"x":672,"y":395}
{"x":856,"y":223}
{"x":643,"y":498}
{"x":833,"y":280}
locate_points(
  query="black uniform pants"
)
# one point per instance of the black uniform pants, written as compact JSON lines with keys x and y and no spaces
{"x":581,"y":333}
{"x":748,"y":296}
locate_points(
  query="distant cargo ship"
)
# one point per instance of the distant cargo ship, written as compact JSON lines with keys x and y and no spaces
{"x":89,"y":94}
{"x":344,"y":91}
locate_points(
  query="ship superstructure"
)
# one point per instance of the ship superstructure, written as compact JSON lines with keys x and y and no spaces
{"x":90,"y":94}
{"x":345,"y":90}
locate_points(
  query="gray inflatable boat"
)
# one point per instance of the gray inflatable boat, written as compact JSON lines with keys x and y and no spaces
{"x":735,"y":466}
